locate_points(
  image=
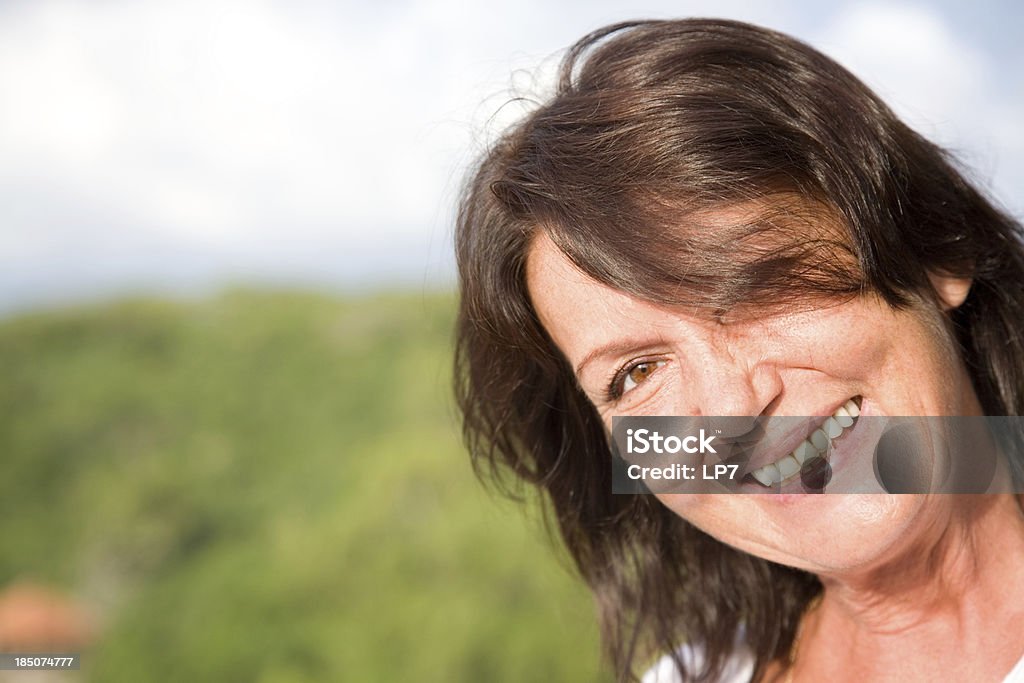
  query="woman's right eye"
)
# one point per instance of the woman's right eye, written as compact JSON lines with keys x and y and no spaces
{"x":630,"y":376}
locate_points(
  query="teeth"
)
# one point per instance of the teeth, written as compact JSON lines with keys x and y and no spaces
{"x":843,"y":417}
{"x":814,"y":446}
{"x":788,"y":466}
{"x":805,"y":451}
{"x":767,"y":475}
{"x":852,"y":408}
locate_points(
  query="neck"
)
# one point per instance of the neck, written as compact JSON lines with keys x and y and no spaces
{"x":953,"y":601}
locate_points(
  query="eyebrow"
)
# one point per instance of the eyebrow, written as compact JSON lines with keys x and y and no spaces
{"x":615,"y":348}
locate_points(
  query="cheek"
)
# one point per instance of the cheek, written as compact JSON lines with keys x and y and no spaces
{"x":844,"y":340}
{"x":866,"y":340}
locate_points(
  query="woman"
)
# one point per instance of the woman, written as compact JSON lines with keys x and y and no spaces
{"x":713,"y":219}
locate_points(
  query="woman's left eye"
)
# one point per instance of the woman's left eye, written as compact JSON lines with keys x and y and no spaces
{"x":632,"y":375}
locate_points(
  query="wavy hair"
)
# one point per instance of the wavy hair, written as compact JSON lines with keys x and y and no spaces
{"x":656,"y":125}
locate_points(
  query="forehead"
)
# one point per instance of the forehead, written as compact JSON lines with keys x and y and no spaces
{"x":553,"y":279}
{"x":577,"y":310}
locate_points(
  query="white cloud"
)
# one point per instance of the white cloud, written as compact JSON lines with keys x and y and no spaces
{"x":910,"y":55}
{"x":152,"y":141}
{"x":948,"y":89}
{"x":213,"y":122}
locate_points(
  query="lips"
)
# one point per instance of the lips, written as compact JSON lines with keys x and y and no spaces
{"x":812,"y":446}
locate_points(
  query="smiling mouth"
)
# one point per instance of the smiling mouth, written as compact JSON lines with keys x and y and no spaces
{"x":811,"y":449}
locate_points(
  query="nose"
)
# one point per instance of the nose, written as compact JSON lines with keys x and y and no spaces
{"x":735,"y":386}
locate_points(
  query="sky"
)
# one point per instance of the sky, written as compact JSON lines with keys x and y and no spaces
{"x":176,"y":147}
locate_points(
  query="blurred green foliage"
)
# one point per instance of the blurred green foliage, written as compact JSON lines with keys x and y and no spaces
{"x":269,"y":486}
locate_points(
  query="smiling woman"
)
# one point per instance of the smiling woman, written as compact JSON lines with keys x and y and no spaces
{"x":713,"y":219}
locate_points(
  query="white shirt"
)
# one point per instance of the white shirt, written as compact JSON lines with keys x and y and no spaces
{"x":740,"y":667}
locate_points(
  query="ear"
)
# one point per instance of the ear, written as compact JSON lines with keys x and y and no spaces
{"x":951,"y":290}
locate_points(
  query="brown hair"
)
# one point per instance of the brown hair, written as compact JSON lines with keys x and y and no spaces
{"x":655,"y":125}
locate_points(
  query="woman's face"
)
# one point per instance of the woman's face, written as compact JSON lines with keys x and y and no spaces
{"x":635,"y":358}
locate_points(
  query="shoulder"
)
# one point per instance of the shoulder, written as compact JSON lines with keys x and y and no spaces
{"x":738,"y":669}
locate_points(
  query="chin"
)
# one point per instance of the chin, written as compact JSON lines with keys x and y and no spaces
{"x":860,"y":532}
{"x":823,"y":534}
